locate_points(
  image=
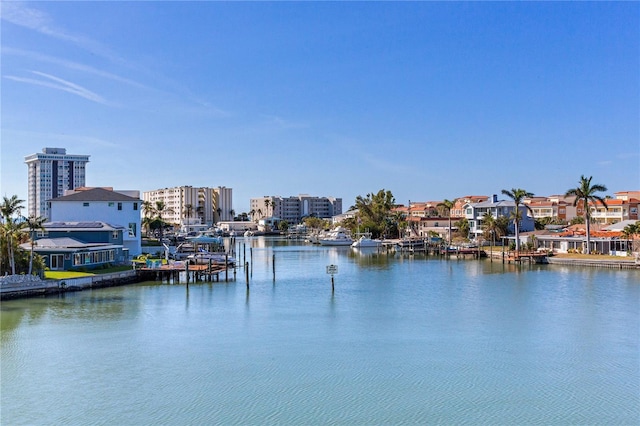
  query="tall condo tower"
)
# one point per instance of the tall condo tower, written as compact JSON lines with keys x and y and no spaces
{"x":51,"y":173}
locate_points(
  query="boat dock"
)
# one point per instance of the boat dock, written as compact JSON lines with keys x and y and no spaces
{"x":191,"y":273}
{"x":525,"y":255}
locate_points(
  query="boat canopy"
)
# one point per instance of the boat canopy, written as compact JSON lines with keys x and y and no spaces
{"x":203,"y":239}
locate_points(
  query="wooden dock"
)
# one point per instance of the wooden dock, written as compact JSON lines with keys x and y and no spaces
{"x":191,"y":273}
{"x":522,"y":255}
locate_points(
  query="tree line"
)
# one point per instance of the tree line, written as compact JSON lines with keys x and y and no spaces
{"x":377,"y":214}
{"x":14,"y":231}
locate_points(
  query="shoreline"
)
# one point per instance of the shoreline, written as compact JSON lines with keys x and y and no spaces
{"x":16,"y":287}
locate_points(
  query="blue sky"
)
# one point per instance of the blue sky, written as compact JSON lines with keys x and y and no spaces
{"x":429,"y":100}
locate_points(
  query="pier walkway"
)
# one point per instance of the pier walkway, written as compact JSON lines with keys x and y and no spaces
{"x":209,"y":272}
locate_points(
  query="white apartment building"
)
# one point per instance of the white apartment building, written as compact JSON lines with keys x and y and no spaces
{"x":187,"y":205}
{"x":294,"y":209}
{"x":50,"y":173}
{"x":117,"y":208}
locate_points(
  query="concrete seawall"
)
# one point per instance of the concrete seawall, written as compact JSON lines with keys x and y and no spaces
{"x":16,"y":286}
{"x":611,"y":264}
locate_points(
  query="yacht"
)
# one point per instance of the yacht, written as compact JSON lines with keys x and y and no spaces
{"x":366,"y":241}
{"x":338,"y":236}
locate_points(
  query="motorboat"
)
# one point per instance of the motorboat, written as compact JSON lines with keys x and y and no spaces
{"x":366,"y":241}
{"x":338,"y":236}
{"x":204,"y":238}
{"x":411,"y":243}
{"x":203,"y":258}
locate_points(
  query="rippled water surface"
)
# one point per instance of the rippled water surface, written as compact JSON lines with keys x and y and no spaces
{"x":401,"y":340}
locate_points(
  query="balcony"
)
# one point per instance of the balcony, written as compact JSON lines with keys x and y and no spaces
{"x":614,"y":214}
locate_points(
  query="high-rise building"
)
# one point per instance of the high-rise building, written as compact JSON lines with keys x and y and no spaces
{"x":189,"y":205}
{"x":50,"y":173}
{"x":294,"y":209}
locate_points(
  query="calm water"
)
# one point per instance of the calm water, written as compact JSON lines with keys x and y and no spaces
{"x":402,"y":340}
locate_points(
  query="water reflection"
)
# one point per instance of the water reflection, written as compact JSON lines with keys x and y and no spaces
{"x":403,"y":339}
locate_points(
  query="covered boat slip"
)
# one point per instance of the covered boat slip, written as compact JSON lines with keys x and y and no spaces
{"x":197,"y":245}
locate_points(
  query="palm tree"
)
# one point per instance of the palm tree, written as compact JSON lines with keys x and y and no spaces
{"x":34,"y":224}
{"x":491,"y":227}
{"x":267,"y":203}
{"x":9,"y":208}
{"x":12,"y":231}
{"x":586,"y":193}
{"x":448,"y":206}
{"x":160,"y":208}
{"x":518,"y":195}
{"x":188,"y":209}
{"x":629,"y":232}
{"x":147,"y":211}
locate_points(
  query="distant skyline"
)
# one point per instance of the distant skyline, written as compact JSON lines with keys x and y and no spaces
{"x":430,"y":100}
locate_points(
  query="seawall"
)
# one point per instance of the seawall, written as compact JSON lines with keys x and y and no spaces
{"x":16,"y":286}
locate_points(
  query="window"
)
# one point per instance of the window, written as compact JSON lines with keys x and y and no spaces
{"x":132,"y":230}
{"x":85,"y":204}
{"x":135,"y":206}
{"x":111,"y":204}
{"x":56,"y":262}
{"x":119,"y":206}
{"x":114,"y":235}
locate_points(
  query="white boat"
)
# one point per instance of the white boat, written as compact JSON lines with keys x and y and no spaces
{"x":203,"y":258}
{"x":411,"y":243}
{"x":338,"y":236}
{"x":365,"y":241}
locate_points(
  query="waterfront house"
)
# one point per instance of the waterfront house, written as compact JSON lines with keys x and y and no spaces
{"x":617,"y":210}
{"x":474,"y":212}
{"x":350,"y":214}
{"x":79,"y":245}
{"x":604,"y":239}
{"x":119,"y":208}
{"x":458,"y":210}
{"x":433,"y":226}
{"x":556,"y":207}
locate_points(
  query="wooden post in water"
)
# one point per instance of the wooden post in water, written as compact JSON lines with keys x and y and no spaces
{"x":246,"y":273}
{"x":273,"y":262}
{"x":209,"y":271}
{"x":226,"y":267}
{"x":186,"y":271}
